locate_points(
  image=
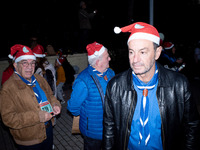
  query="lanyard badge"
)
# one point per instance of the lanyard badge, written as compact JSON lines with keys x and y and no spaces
{"x":46,"y":106}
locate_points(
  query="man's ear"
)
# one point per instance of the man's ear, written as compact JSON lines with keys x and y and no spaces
{"x":97,"y":63}
{"x":15,"y":65}
{"x":158,"y":52}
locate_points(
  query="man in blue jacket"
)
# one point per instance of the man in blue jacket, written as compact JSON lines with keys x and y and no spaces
{"x":87,"y":98}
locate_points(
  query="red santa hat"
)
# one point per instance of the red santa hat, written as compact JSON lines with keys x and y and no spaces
{"x":61,"y":60}
{"x":140,"y":30}
{"x":168,"y":45}
{"x":95,"y":49}
{"x":20,"y":52}
{"x":39,"y":51}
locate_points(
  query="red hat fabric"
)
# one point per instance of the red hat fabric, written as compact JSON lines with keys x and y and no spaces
{"x":39,"y":51}
{"x":95,"y":49}
{"x":20,"y":52}
{"x":168,"y":45}
{"x":60,"y":60}
{"x":140,"y":30}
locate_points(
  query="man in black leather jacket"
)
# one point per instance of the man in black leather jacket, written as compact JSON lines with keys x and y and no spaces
{"x":180,"y":123}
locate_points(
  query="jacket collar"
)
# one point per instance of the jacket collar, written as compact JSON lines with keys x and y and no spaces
{"x":20,"y":84}
{"x":129,"y":84}
{"x":162,"y":77}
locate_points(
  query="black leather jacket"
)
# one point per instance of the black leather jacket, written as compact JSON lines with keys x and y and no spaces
{"x":180,"y":119}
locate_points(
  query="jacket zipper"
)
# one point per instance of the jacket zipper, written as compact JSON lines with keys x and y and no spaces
{"x":162,"y":128}
{"x":87,"y":123}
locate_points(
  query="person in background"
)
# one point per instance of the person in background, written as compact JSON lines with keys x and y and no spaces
{"x":44,"y":68}
{"x":69,"y":74}
{"x":197,"y":61}
{"x":60,"y":78}
{"x":169,"y":57}
{"x":27,"y":103}
{"x":76,"y":69}
{"x":148,"y":106}
{"x":87,"y":98}
{"x":34,"y":42}
{"x":7,"y":72}
{"x":85,"y":25}
{"x":69,"y":70}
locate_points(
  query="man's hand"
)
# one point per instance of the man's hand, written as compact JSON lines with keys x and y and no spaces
{"x":56,"y":110}
{"x":44,"y":116}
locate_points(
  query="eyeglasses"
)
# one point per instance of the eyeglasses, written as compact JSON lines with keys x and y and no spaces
{"x":26,"y":64}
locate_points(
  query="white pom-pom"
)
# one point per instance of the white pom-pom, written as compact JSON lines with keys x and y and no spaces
{"x":117,"y":30}
{"x":10,"y":56}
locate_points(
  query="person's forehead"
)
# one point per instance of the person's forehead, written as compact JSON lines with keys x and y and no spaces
{"x":140,"y":43}
{"x":27,"y":60}
{"x":105,"y":53}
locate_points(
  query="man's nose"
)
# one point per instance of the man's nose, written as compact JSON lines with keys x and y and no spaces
{"x":30,"y":66}
{"x":136,"y":57}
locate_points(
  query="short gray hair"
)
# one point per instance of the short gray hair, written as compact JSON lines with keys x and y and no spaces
{"x":155,"y":46}
{"x":92,"y":61}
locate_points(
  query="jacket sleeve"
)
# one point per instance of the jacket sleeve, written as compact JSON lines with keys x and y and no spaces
{"x":191,"y":122}
{"x":108,"y":122}
{"x":79,"y":94}
{"x":11,"y":116}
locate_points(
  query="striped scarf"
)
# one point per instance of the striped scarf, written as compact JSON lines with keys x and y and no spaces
{"x":144,"y":133}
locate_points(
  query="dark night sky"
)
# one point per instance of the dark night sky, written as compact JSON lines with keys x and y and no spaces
{"x":56,"y":21}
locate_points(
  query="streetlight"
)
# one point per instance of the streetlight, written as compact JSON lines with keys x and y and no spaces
{"x":151,"y":17}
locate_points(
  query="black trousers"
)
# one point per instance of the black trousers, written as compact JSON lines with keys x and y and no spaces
{"x":92,"y":144}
